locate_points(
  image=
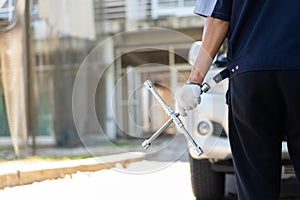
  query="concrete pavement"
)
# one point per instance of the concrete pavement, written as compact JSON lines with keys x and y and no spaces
{"x":16,"y":173}
{"x":27,"y":171}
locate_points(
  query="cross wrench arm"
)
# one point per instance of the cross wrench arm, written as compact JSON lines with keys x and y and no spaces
{"x":146,"y":144}
{"x":148,"y":84}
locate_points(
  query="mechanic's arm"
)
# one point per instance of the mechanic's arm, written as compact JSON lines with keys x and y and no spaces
{"x":214,"y":33}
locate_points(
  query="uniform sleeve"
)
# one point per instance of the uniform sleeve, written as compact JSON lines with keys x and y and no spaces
{"x":220,"y":9}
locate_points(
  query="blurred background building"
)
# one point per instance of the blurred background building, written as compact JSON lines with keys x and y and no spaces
{"x":43,"y":44}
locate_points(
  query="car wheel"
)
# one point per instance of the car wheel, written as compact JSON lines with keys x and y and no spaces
{"x":206,"y":183}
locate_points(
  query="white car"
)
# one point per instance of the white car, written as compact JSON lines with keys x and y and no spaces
{"x":208,"y":125}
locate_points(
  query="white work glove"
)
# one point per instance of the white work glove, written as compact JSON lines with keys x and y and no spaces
{"x":188,"y":97}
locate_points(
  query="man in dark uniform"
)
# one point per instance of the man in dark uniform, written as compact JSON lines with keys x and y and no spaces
{"x":263,"y":97}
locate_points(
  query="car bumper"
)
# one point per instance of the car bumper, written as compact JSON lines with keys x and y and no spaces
{"x":218,"y":148}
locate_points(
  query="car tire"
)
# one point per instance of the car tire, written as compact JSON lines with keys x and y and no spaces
{"x":206,"y":183}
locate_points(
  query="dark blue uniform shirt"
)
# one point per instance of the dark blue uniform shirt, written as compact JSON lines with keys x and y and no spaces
{"x":263,"y":34}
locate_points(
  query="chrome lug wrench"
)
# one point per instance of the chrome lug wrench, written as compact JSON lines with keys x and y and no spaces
{"x":174,"y":117}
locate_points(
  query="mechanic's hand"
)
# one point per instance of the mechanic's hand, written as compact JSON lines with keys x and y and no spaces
{"x":188,"y":97}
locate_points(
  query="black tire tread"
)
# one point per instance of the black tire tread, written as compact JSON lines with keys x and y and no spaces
{"x":206,"y":183}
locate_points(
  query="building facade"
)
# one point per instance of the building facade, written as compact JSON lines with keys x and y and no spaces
{"x":120,"y":43}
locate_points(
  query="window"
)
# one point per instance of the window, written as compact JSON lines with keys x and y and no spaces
{"x":8,"y":14}
{"x":179,"y":8}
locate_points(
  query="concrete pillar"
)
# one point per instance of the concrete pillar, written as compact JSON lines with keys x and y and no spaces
{"x":14,"y":78}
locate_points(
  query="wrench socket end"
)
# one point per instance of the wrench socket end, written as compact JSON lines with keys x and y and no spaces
{"x":146,"y":144}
